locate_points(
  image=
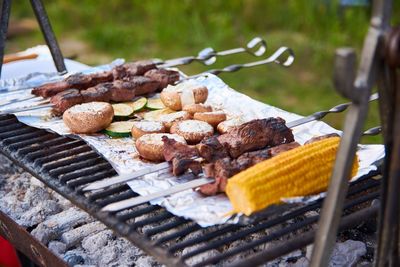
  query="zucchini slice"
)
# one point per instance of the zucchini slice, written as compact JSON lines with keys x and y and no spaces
{"x":155,"y":114}
{"x":119,"y":129}
{"x":138,"y":104}
{"x":155,"y":103}
{"x":122,"y":111}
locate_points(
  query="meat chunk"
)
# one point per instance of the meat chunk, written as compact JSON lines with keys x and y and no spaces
{"x":256,"y":134}
{"x":211,"y":149}
{"x":181,"y":156}
{"x":132,"y":69}
{"x":317,"y":138}
{"x":181,"y":165}
{"x":50,"y":89}
{"x":224,"y":168}
{"x":121,"y":90}
{"x":66,"y":99}
{"x":101,"y":92}
{"x":173,"y":149}
{"x":76,"y":81}
{"x":144,"y":85}
{"x":163,"y":76}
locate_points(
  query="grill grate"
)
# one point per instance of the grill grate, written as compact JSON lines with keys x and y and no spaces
{"x":66,"y":165}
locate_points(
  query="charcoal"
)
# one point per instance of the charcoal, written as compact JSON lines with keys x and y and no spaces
{"x":199,"y":257}
{"x":347,"y":253}
{"x":39,"y":213}
{"x":57,"y":247}
{"x":55,"y":225}
{"x":95,"y":242}
{"x":73,"y":237}
{"x":74,"y":257}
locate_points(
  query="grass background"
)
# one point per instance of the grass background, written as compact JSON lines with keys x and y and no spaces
{"x":167,"y":29}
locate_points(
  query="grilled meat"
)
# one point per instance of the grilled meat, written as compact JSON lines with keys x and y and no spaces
{"x":132,"y":69}
{"x":66,"y":99}
{"x":101,"y":92}
{"x":211,"y":149}
{"x":163,"y":76}
{"x":144,"y":85}
{"x":121,"y":90}
{"x":174,"y":149}
{"x":256,"y":134}
{"x":76,"y":81}
{"x":181,"y":156}
{"x":317,"y":138}
{"x":224,"y":168}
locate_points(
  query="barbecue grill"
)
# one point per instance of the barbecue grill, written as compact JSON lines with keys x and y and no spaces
{"x":67,"y":165}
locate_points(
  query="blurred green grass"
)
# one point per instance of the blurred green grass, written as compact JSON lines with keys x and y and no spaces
{"x":168,"y":29}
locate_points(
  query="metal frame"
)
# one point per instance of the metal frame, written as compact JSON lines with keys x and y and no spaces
{"x":374,"y":66}
{"x":45,"y":26}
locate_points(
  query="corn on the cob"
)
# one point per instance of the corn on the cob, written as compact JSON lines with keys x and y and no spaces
{"x":301,"y":171}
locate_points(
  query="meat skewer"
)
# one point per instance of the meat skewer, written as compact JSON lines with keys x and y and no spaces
{"x":246,"y":143}
{"x":275,"y":58}
{"x":256,"y":47}
{"x":201,"y":181}
{"x":166,"y":165}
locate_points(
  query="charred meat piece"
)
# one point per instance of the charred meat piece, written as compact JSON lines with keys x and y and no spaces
{"x":174,"y":149}
{"x":82,"y":81}
{"x":282,"y":148}
{"x":132,"y":69}
{"x":66,"y":99}
{"x":181,"y":165}
{"x":317,"y":138}
{"x":144,"y":85}
{"x":101,"y":92}
{"x":182,"y":156}
{"x":225,"y":168}
{"x":256,"y":134}
{"x":50,"y":89}
{"x":121,"y":90}
{"x":211,"y":149}
{"x":163,"y":76}
{"x":76,"y":81}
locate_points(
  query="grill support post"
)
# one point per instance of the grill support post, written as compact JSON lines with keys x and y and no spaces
{"x":373,"y":68}
{"x":45,"y":27}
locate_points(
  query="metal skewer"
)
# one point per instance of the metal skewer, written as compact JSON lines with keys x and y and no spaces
{"x":256,"y":47}
{"x":200,"y":181}
{"x":166,"y":165}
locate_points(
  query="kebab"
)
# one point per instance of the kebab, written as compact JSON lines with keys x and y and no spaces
{"x":256,"y":46}
{"x":303,"y":170}
{"x":166,"y":165}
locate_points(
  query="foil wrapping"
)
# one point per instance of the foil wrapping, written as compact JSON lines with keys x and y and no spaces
{"x":122,"y":155}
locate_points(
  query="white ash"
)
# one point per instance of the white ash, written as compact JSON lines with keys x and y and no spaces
{"x":95,"y":242}
{"x":57,"y":247}
{"x":74,"y":236}
{"x":39,"y":213}
{"x":55,"y":225}
{"x":199,"y":257}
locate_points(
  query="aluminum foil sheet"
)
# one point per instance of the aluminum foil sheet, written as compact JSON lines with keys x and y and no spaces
{"x":206,"y":211}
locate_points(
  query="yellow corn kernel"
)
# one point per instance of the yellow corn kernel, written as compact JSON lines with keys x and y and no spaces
{"x":301,"y":171}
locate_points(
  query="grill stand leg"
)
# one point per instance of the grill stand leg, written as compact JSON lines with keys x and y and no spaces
{"x":5,"y":17}
{"x":45,"y":26}
{"x":358,"y":91}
